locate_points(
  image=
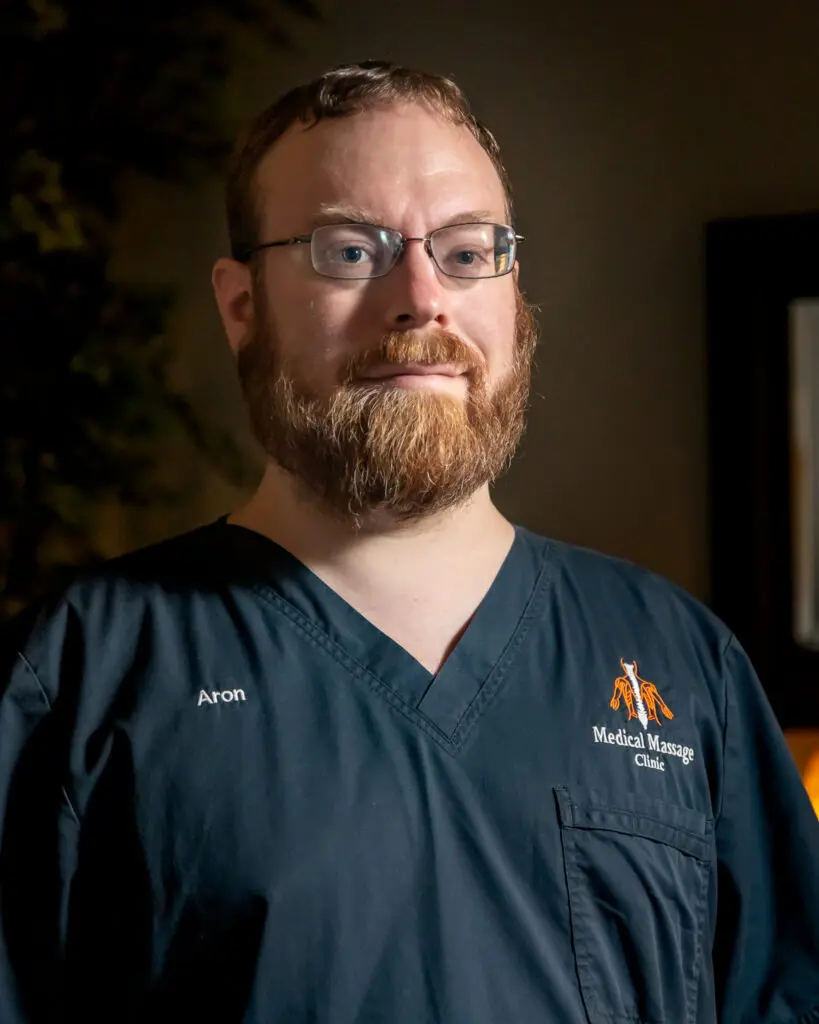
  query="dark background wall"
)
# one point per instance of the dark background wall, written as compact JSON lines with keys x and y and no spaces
{"x":626,"y":126}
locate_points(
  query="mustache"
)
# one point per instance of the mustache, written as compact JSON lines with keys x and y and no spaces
{"x":422,"y":348}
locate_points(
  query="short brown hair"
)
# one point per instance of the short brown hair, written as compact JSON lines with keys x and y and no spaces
{"x":340,"y":92}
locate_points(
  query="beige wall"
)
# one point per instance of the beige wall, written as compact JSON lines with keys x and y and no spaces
{"x":626,"y":126}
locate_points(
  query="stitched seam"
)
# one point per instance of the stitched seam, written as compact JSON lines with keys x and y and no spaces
{"x":36,"y":678}
{"x":30,"y":668}
{"x":70,"y":805}
{"x":636,"y":815}
{"x":453,"y":742}
{"x":699,"y":854}
{"x":724,"y":780}
{"x":584,"y":958}
{"x":490,"y":688}
{"x":694,"y":980}
{"x":581,"y":958}
{"x":582,"y":927}
{"x":316,"y":636}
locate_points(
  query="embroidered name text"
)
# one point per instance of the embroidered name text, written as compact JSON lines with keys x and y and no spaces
{"x":217,"y":696}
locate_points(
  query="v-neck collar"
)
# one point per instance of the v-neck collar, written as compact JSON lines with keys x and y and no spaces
{"x":445,"y":698}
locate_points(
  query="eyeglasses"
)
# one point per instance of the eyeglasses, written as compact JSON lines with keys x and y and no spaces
{"x":357,"y":252}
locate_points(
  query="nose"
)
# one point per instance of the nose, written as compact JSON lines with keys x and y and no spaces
{"x":417,"y":296}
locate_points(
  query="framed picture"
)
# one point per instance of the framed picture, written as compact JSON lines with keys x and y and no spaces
{"x":762,"y":320}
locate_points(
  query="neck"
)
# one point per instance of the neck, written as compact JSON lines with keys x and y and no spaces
{"x":418,"y":582}
{"x":281,"y":511}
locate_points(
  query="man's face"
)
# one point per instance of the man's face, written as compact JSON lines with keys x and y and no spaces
{"x":337,"y":372}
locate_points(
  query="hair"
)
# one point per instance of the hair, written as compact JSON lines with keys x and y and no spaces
{"x":343,"y":91}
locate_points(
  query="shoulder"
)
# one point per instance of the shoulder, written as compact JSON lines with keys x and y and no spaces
{"x":105,"y":608}
{"x":595,"y":575}
{"x":184,"y":563}
{"x":617,"y":598}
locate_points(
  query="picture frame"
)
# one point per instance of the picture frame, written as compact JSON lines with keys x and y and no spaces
{"x":761,"y":276}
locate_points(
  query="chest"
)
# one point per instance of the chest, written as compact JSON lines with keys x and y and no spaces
{"x":302,"y":793}
{"x":296,"y":744}
{"x":427,"y":631}
{"x":311,"y":791}
{"x":426,"y":621}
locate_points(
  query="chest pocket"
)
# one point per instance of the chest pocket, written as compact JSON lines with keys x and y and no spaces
{"x":637,"y":873}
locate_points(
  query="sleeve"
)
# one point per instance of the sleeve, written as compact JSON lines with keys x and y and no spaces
{"x":766,"y":950}
{"x":38,"y":831}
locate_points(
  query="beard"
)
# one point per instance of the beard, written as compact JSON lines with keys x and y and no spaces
{"x":372,"y":448}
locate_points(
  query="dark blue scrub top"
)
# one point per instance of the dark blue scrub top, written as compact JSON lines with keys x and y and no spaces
{"x":225,"y":796}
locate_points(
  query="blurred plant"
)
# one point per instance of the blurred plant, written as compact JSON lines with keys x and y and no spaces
{"x":91,"y":93}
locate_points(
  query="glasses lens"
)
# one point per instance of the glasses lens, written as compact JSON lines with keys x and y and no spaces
{"x":353,"y":251}
{"x":474,"y":250}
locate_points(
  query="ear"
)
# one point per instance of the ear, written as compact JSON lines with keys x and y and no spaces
{"x":233,"y":288}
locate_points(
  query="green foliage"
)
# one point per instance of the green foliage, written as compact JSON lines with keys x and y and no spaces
{"x":91,"y":93}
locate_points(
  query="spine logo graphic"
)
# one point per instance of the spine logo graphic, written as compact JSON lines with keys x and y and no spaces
{"x":641,"y":697}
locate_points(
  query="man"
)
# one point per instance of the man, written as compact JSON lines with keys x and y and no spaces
{"x":363,"y":751}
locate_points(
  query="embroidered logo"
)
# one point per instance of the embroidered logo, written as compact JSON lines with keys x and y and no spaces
{"x":641,"y":698}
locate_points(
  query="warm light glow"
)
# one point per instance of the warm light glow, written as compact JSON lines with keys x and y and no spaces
{"x":812,"y":780}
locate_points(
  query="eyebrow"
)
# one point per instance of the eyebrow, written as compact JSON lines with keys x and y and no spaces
{"x":345,"y":213}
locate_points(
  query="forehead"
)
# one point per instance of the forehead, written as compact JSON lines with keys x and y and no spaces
{"x":407,"y":165}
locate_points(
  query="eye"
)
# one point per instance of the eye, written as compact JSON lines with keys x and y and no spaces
{"x":465,"y":256}
{"x":351,"y":252}
{"x":470,"y":257}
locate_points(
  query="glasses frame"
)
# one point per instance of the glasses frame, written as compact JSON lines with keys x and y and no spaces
{"x":401,"y":244}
